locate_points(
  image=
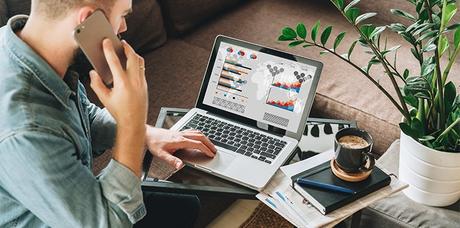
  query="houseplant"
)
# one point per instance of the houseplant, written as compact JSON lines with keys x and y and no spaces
{"x":428,"y":102}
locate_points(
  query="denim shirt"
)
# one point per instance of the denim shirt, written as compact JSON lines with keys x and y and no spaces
{"x":49,"y":133}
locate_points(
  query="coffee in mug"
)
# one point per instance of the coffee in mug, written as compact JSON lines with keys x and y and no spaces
{"x":353,"y":142}
{"x":353,"y":150}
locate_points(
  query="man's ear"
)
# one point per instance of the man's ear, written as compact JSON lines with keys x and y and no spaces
{"x":83,"y":13}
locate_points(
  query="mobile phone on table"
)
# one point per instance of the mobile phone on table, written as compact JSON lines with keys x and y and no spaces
{"x":89,"y":36}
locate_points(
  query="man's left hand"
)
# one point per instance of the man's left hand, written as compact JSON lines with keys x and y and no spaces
{"x":164,"y":143}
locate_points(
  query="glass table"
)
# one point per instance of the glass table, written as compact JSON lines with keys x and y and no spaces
{"x":189,"y":180}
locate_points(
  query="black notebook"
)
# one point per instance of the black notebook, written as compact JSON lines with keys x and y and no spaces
{"x":326,"y":200}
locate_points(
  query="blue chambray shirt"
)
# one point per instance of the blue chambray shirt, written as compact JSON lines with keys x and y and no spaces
{"x":49,"y":132}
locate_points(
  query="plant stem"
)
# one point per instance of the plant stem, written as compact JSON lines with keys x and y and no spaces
{"x":449,"y":65}
{"x":439,"y":80}
{"x":394,"y":70}
{"x":362,"y":72}
{"x":393,"y":81}
{"x":450,"y":127}
{"x":377,"y":53}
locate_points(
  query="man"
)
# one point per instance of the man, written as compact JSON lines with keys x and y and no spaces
{"x":49,"y":131}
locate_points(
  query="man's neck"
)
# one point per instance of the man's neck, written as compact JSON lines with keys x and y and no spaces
{"x":49,"y":40}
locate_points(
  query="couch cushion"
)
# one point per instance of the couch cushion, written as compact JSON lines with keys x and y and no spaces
{"x":174,"y":73}
{"x":3,"y":13}
{"x":16,"y":7}
{"x":145,"y":26}
{"x":183,"y":15}
{"x":383,"y":9}
{"x":400,"y":211}
{"x":343,"y":92}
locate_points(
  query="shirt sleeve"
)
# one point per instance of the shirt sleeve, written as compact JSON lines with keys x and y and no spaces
{"x":103,"y":126}
{"x":40,"y":170}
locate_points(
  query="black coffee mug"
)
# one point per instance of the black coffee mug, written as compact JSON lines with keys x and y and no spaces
{"x":354,"y":160}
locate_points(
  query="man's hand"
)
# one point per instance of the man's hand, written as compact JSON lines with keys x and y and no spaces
{"x":127,"y":102}
{"x":164,"y":143}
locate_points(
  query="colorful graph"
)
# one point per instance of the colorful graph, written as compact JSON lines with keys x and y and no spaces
{"x":288,"y":105}
{"x":233,"y":75}
{"x":295,"y":86}
{"x":285,"y":86}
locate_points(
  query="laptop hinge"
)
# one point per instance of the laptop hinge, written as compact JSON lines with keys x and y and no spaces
{"x":262,"y":126}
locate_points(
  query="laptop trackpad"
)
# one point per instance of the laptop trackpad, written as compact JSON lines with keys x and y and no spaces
{"x":221,"y":161}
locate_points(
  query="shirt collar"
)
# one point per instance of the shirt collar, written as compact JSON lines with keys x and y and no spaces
{"x":34,"y":63}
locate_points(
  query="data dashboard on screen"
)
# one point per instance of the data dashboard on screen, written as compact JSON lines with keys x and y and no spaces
{"x":259,"y":86}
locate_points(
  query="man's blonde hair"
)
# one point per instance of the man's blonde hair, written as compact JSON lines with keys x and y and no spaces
{"x":58,"y":8}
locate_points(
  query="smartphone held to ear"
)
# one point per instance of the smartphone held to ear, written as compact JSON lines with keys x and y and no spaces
{"x":89,"y":36}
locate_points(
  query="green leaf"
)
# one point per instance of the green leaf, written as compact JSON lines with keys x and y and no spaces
{"x":314,"y":31}
{"x":370,"y":63}
{"x":367,"y":30}
{"x":448,"y":12}
{"x":295,"y":43}
{"x":364,"y":17}
{"x":428,"y":69}
{"x":449,"y":96}
{"x":417,"y":126}
{"x":284,"y":38}
{"x":351,"y":4}
{"x":408,"y":130}
{"x":325,"y":35}
{"x":338,"y":39}
{"x":301,"y":31}
{"x":377,"y":31}
{"x":412,"y":26}
{"x":453,"y":27}
{"x":307,"y":45}
{"x":426,"y":138}
{"x":429,"y":34}
{"x":352,"y":14}
{"x":443,"y":45}
{"x":289,"y":33}
{"x":323,"y":52}
{"x":350,"y":50}
{"x":411,"y":100}
{"x":415,"y":54}
{"x":403,"y":14}
{"x":457,"y":38}
{"x":428,"y":48}
{"x":398,"y":27}
{"x":419,"y":87}
{"x":406,"y":73}
{"x":339,"y":4}
{"x":421,"y":29}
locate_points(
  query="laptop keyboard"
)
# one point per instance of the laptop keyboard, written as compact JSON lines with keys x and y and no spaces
{"x":240,"y":140}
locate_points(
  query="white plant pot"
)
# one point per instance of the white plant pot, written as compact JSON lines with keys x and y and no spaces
{"x":433,"y":176}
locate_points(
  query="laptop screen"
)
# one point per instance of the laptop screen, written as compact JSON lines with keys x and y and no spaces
{"x":259,"y":86}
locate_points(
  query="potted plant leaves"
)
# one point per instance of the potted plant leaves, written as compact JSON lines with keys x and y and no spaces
{"x":427,"y":100}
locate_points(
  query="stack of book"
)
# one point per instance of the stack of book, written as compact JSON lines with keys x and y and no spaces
{"x":326,"y":192}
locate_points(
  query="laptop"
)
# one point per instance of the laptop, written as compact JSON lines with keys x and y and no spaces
{"x":253,"y":105}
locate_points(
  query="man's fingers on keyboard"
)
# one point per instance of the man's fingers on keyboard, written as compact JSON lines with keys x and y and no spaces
{"x":200,"y":137}
{"x":196,"y":144}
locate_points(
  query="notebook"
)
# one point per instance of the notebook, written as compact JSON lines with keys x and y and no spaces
{"x":326,"y":200}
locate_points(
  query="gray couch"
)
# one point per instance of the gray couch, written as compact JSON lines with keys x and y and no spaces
{"x":175,"y":38}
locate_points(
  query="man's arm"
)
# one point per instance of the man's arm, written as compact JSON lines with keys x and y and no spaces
{"x":39,"y":169}
{"x":103,"y":126}
{"x":127,"y":102}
